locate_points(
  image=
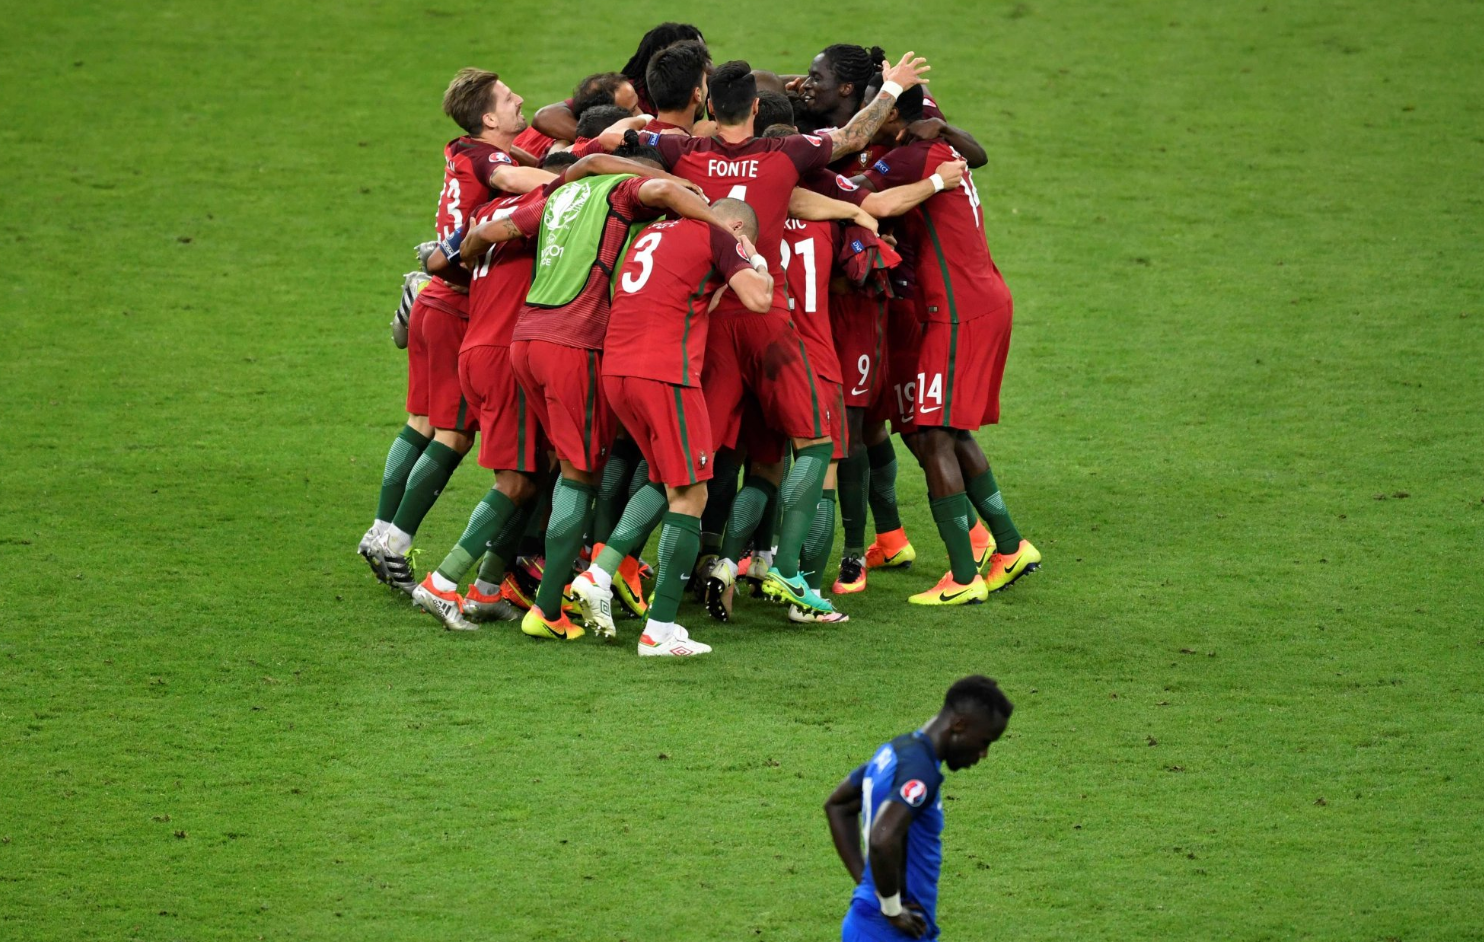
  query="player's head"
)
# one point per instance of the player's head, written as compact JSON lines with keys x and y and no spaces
{"x":977,"y":712}
{"x":676,"y":78}
{"x":604,"y":88}
{"x":634,"y":149}
{"x":779,"y":130}
{"x":736,"y":216}
{"x":838,"y":76}
{"x":733,"y":93}
{"x":773,"y":108}
{"x":599,"y":118}
{"x":663,"y":35}
{"x":557,"y":160}
{"x":479,"y":102}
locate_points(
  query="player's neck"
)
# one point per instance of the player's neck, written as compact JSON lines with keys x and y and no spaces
{"x":936,"y":731}
{"x":839,"y":117}
{"x":735,"y":133}
{"x":685,"y":119}
{"x":500,"y":139}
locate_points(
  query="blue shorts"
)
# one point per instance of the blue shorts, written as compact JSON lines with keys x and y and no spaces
{"x":864,"y":923}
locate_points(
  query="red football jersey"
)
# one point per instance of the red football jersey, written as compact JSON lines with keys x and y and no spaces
{"x":809,"y":250}
{"x":658,"y":325}
{"x":583,"y":322}
{"x":498,"y":284}
{"x":956,"y":278}
{"x":535,"y":143}
{"x":760,"y":171}
{"x":467,"y":165}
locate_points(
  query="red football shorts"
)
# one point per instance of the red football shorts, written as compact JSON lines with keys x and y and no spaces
{"x":510,"y":436}
{"x":668,"y":423}
{"x":858,"y":323}
{"x":759,"y":354}
{"x":562,"y":388}
{"x":898,"y":400}
{"x":433,"y":340}
{"x":833,"y":395}
{"x":959,"y":368}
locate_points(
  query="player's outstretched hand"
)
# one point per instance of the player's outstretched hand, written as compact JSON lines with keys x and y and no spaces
{"x":909,"y":921}
{"x":908,"y":72}
{"x":795,"y":85}
{"x":866,"y":220}
{"x":688,"y":184}
{"x":747,"y":245}
{"x":952,"y":172}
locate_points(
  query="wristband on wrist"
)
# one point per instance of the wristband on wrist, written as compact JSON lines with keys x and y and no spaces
{"x":892,"y":88}
{"x":890,"y":905}
{"x":758,"y":262}
{"x":938,"y":184}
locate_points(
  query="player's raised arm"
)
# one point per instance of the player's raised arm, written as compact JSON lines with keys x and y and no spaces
{"x":556,"y":121}
{"x":673,"y":198}
{"x":931,"y":129}
{"x":517,"y":180}
{"x":900,"y":199}
{"x":906,"y":74}
{"x":843,"y":809}
{"x":888,"y":852}
{"x":815,"y":207}
{"x":478,"y":240}
{"x":597,"y":165}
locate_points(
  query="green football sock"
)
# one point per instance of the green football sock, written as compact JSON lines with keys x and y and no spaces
{"x":951,"y":513}
{"x":571,"y":509}
{"x":406,"y":448}
{"x":747,"y":512}
{"x":489,"y":517}
{"x":883,"y":460}
{"x":799,"y":497}
{"x":721,"y":491}
{"x":613,"y":489}
{"x":424,"y":484}
{"x":533,"y":540}
{"x":821,"y":542}
{"x":680,"y":544}
{"x":644,"y":512}
{"x":853,"y":475}
{"x":502,"y":549}
{"x":985,"y":494}
{"x":766,"y":534}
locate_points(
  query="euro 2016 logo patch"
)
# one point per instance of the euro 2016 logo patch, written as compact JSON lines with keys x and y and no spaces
{"x":845,"y":183}
{"x":565,"y":204}
{"x":813,"y":140}
{"x":914,"y":792}
{"x":881,"y":167}
{"x":500,"y":157}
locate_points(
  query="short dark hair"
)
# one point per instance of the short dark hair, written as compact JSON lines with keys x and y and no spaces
{"x":978,"y":692}
{"x":600,"y":88}
{"x":909,"y":104}
{"x":599,"y":118}
{"x":557,"y":159}
{"x":773,"y":108}
{"x":634,"y":149}
{"x":733,"y":90}
{"x":675,"y":72}
{"x":470,"y":96}
{"x":779,"y":130}
{"x":656,"y":39}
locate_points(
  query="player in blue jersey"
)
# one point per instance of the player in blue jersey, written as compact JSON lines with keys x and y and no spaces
{"x":893,"y":806}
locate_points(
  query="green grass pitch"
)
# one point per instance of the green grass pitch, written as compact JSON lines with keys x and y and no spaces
{"x":1242,"y":420}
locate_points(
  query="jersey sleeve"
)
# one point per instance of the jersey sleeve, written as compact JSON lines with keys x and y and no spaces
{"x":528,"y":218}
{"x":808,"y":151}
{"x":670,"y":146}
{"x":901,"y":166}
{"x":858,"y":776}
{"x":625,"y":201}
{"x":486,"y":165}
{"x":727,"y":253}
{"x":915,"y":782}
{"x":833,"y":185}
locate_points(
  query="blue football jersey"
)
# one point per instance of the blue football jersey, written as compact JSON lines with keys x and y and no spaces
{"x":906,"y":771}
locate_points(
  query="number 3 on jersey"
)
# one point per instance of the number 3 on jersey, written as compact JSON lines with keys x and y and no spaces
{"x":644,"y":255}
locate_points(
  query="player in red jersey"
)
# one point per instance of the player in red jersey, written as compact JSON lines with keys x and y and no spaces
{"x":652,"y":369}
{"x":438,"y":431}
{"x":556,"y":347}
{"x":676,"y":81}
{"x":744,"y":349}
{"x":559,"y":120}
{"x":602,"y":88}
{"x":966,"y":312}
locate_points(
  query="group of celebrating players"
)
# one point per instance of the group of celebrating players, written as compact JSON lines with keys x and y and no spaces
{"x":685,"y":273}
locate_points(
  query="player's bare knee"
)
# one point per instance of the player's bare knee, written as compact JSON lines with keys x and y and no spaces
{"x":517,"y":487}
{"x":459,"y":441}
{"x":420,"y":425}
{"x":689,"y":499}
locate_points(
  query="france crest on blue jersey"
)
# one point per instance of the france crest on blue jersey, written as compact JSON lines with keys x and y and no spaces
{"x":906,"y":771}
